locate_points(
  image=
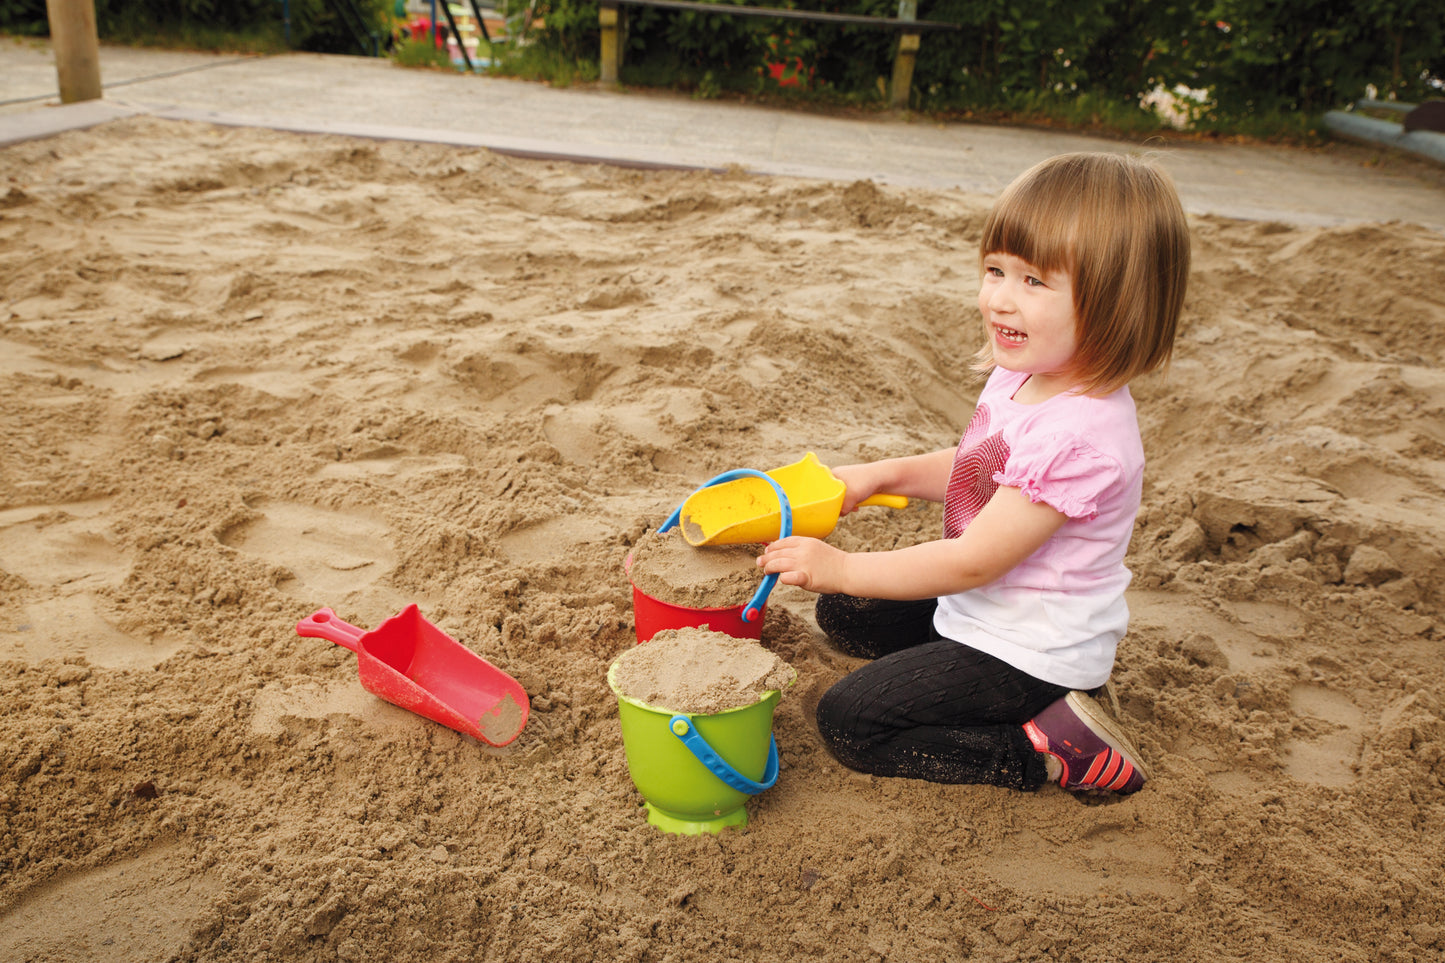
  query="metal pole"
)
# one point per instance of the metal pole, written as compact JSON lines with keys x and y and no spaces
{"x":461,"y":41}
{"x":482,"y":25}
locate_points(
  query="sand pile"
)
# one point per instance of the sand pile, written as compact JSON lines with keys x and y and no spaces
{"x":245,"y":375}
{"x":695,"y":670}
{"x":667,"y":568}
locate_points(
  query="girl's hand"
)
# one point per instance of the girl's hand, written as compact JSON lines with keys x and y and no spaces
{"x":807,"y":563}
{"x":857,"y":486}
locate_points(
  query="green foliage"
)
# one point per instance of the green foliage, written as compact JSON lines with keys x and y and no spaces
{"x":1059,"y":59}
{"x":334,"y":26}
{"x":421,"y":53}
{"x":1082,"y":62}
{"x":1082,"y":110}
{"x":706,"y":42}
{"x":1311,"y":55}
{"x":570,"y":26}
{"x":539,"y":62}
{"x":708,"y":88}
{"x":317,"y":25}
{"x":25,"y":18}
{"x":1277,"y":126}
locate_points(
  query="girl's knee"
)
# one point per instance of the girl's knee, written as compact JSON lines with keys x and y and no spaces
{"x":844,"y":724}
{"x":838,"y":617}
{"x":831,"y":713}
{"x":840,"y":739}
{"x":868,"y":628}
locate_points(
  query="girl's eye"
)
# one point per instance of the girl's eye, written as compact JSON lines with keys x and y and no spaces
{"x":995,"y":271}
{"x":1033,"y":281}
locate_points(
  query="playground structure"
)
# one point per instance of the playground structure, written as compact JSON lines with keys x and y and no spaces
{"x":465,"y":32}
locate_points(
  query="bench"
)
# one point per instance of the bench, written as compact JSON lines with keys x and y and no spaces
{"x":906,"y":25}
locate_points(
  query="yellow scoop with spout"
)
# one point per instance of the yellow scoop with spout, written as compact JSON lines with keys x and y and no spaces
{"x":746,"y":510}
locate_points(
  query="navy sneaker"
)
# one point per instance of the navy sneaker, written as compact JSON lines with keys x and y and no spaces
{"x":1095,"y":754}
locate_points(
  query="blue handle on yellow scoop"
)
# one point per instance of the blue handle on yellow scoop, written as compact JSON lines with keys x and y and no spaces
{"x":754,"y":607}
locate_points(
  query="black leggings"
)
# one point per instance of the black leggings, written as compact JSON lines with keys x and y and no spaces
{"x":926,"y":707}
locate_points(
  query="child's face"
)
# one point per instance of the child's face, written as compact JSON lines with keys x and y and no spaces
{"x":1030,"y":321}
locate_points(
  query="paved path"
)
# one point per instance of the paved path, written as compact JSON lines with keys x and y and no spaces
{"x":373,"y":98}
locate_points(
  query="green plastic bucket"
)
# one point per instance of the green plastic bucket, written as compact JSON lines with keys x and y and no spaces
{"x":697,"y":771}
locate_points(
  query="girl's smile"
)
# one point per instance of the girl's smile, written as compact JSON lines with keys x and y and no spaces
{"x":1031,"y":322}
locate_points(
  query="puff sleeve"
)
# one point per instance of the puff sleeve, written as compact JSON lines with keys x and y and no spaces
{"x":1065,"y":472}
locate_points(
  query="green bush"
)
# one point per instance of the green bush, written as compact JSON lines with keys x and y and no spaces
{"x":1312,"y":55}
{"x":25,"y":18}
{"x":317,"y":25}
{"x":1251,"y":58}
{"x":421,"y":52}
{"x":1255,"y":61}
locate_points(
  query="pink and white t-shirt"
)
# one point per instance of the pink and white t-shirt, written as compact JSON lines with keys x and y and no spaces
{"x":1060,"y":613}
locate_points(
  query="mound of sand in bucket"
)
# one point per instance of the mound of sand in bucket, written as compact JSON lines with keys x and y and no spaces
{"x":667,"y":568}
{"x":697,"y":670}
{"x":675,"y":585}
{"x":696,"y":711}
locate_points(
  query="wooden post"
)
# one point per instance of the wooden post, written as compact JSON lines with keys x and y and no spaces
{"x":611,"y":49}
{"x":904,"y":60}
{"x":903,"y":70}
{"x":76,"y":46}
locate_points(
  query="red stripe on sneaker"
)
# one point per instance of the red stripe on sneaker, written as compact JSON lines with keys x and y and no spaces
{"x":1095,"y":767}
{"x":1123,"y":779}
{"x":1105,"y":769}
{"x":1116,"y":762}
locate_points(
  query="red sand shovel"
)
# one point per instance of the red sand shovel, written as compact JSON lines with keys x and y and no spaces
{"x":413,"y":664}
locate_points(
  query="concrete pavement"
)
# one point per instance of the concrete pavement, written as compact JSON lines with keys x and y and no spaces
{"x":372,"y":98}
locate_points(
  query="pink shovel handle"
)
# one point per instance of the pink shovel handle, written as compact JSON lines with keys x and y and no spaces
{"x":325,"y":625}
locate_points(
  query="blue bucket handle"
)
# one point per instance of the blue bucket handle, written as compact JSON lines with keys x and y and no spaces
{"x":682,"y":727}
{"x":785,"y":528}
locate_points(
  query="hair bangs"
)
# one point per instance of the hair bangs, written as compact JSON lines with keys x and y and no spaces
{"x":1036,"y":219}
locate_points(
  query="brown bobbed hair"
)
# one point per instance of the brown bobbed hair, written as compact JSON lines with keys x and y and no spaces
{"x":1115,"y":224}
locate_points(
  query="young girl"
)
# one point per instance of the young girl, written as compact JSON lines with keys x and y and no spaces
{"x":985,"y":641}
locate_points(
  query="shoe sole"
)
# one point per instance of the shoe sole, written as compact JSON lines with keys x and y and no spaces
{"x":1105,"y":728}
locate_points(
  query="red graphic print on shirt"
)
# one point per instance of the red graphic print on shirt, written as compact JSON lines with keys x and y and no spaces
{"x":970,"y":483}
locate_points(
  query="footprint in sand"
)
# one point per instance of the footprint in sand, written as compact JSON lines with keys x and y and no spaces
{"x":278,"y":380}
{"x":333,"y":555}
{"x":1248,"y":643}
{"x":1329,"y":736}
{"x":277,"y":703}
{"x":133,"y":909}
{"x":1115,"y":859}
{"x":63,"y":551}
{"x":392,"y":464}
{"x":72,"y":625}
{"x":52,"y":545}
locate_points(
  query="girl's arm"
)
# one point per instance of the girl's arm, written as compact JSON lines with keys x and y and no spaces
{"x":917,"y":476}
{"x":1008,"y":530}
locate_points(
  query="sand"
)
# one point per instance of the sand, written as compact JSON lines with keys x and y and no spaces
{"x":696,"y":670}
{"x":246,"y":375}
{"x":667,"y":568}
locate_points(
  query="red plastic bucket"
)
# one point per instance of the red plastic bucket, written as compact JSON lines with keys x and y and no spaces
{"x":652,"y":615}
